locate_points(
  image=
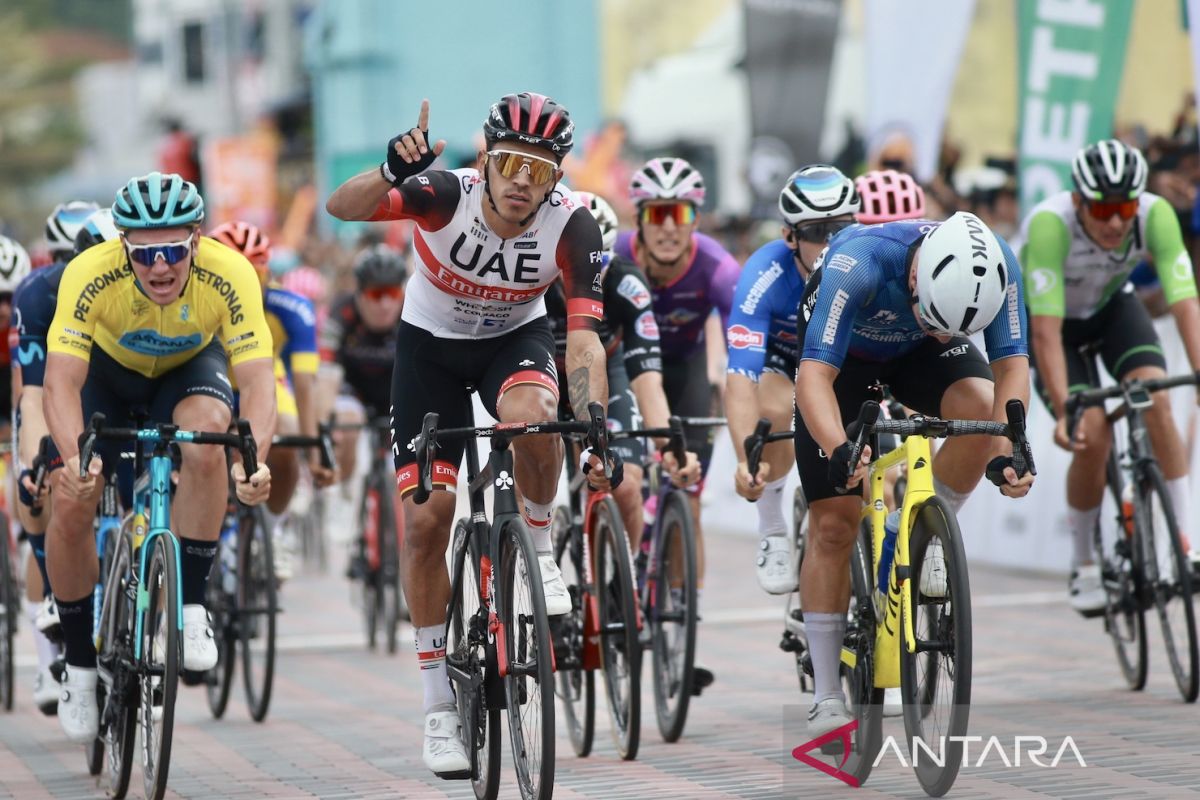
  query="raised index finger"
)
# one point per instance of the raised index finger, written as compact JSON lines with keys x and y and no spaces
{"x":423,"y":117}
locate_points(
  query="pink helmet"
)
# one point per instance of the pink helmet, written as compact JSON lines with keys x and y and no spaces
{"x":667,"y":179}
{"x":305,"y":281}
{"x":888,"y":196}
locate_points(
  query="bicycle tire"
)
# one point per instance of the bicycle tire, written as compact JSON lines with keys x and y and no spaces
{"x":218,"y":681}
{"x":1172,"y":591}
{"x":480,"y":723}
{"x":1121,"y":576}
{"x":117,"y":614}
{"x":858,"y":682}
{"x":934,"y":520}
{"x":620,"y":652}
{"x":529,"y":676}
{"x":95,"y":749}
{"x":257,"y":609}
{"x":370,"y":577}
{"x":389,"y":569}
{"x":9,"y":609}
{"x":673,"y":675}
{"x":162,"y":650}
{"x":576,"y":686}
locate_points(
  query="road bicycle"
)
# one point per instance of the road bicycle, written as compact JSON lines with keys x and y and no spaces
{"x":498,"y":650}
{"x":913,"y":629}
{"x":139,"y":640}
{"x":1144,"y":565}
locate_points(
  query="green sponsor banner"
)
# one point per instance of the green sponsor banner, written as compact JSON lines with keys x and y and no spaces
{"x":1072,"y":54}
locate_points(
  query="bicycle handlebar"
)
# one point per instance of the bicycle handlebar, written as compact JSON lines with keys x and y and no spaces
{"x":323,"y":440}
{"x":40,"y":469}
{"x":242,"y":441}
{"x":755,"y":442}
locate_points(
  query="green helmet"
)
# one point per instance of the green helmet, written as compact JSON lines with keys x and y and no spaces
{"x":158,"y":200}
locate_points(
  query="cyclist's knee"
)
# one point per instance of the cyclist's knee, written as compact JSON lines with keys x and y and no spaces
{"x":527,"y":403}
{"x":201,"y":413}
{"x":427,"y":527}
{"x":833,"y":529}
{"x":968,"y":398}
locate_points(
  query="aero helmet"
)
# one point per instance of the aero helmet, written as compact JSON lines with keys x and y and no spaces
{"x":817,"y":191}
{"x":962,"y":276}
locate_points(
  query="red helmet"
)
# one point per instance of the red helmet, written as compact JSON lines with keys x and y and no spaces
{"x":531,"y":118}
{"x":888,"y":196}
{"x":247,"y":240}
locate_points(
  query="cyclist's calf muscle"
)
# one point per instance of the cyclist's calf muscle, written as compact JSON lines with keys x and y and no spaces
{"x":423,"y":557}
{"x":824,"y":574}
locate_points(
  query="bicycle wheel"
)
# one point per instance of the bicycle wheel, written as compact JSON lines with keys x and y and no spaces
{"x":936,"y":680}
{"x":162,"y":645}
{"x":368,"y":511}
{"x":618,"y":628}
{"x":1170,"y":576}
{"x":9,"y":610}
{"x":95,"y":750}
{"x":389,"y":548}
{"x":576,"y":685}
{"x":1121,"y":575}
{"x":257,"y":607}
{"x":673,"y":616}
{"x":118,"y":717}
{"x":223,"y":609}
{"x":466,"y":651}
{"x":528,"y":679}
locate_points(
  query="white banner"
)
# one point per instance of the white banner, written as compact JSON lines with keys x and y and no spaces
{"x":912,"y":53}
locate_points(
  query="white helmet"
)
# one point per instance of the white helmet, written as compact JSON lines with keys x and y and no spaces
{"x":63,"y":225}
{"x":667,"y":179}
{"x":962,"y":276}
{"x":818,"y":191}
{"x":14,"y":264}
{"x":605,"y":217}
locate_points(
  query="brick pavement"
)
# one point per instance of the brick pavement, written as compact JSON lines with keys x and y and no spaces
{"x":345,"y":723}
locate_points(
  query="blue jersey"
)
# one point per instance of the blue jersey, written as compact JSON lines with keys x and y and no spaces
{"x":33,"y":310}
{"x":293,"y":325}
{"x":765,"y":304}
{"x":864,"y":308}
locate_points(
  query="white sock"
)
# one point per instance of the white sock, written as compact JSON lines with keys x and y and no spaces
{"x":431,"y":655}
{"x":1082,"y":525}
{"x":825,"y":635}
{"x":770,"y":508}
{"x":47,"y":650}
{"x":1177,"y":488}
{"x":537,"y":517}
{"x":951,"y":496}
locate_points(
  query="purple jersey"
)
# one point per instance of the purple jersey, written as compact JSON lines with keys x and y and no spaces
{"x":682,"y":306}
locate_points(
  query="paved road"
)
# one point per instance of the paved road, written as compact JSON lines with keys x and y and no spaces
{"x":346,"y":723}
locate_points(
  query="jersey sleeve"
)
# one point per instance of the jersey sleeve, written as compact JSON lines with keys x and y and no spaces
{"x":74,"y":324}
{"x":1008,"y":334}
{"x":720,"y":291}
{"x":244,"y":327}
{"x":841,"y":296}
{"x":627,"y":306}
{"x":749,"y":323}
{"x":580,"y":259}
{"x":300,"y":324}
{"x":429,"y":199}
{"x":1171,"y":259}
{"x":1042,"y":259}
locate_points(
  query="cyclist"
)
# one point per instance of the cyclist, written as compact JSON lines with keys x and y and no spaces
{"x":136,"y":324}
{"x":293,"y":326}
{"x":33,"y":310}
{"x":635,"y":392}
{"x":889,"y":196}
{"x":896,"y":302}
{"x":489,"y":242}
{"x":1079,"y":248}
{"x":816,"y":202}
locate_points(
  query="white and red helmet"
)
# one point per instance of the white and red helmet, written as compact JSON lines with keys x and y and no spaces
{"x":888,"y":196}
{"x":667,"y":179}
{"x":605,"y":217}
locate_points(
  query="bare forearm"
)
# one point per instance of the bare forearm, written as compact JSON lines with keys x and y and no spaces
{"x":1051,"y":365}
{"x":587,"y":377}
{"x":651,"y":399}
{"x":741,"y":410}
{"x":818,"y":404}
{"x":64,"y":413}
{"x":357,"y":198}
{"x":306,"y":402}
{"x":1012,"y":382}
{"x":1187,"y":319}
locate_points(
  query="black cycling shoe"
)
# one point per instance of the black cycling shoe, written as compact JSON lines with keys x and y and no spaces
{"x":701,"y":679}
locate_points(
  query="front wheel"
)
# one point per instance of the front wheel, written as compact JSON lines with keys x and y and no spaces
{"x":162,"y":643}
{"x":257,"y":608}
{"x":857,"y":665}
{"x":389,"y":578}
{"x":619,"y":648}
{"x":1122,"y":576}
{"x":936,"y":679}
{"x":576,"y":685}
{"x":222,"y":608}
{"x":672,"y":617}
{"x":9,"y":608}
{"x":118,"y":710}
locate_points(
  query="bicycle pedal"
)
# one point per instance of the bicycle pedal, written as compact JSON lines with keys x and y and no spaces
{"x":462,"y":775}
{"x":190,"y":677}
{"x":833,"y":748}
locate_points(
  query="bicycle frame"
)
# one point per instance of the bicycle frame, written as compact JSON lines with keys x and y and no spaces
{"x":108,"y":524}
{"x":152,"y":506}
{"x":581,"y":516}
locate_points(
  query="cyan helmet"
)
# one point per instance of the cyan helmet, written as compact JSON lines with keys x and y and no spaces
{"x":158,"y":200}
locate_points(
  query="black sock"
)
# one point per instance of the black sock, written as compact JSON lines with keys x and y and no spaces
{"x":76,"y":616}
{"x":38,"y":542}
{"x":197,"y":563}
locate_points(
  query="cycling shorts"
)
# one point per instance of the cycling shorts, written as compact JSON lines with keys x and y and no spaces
{"x":689,"y":394}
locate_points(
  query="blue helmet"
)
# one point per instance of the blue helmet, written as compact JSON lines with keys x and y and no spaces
{"x":158,"y":200}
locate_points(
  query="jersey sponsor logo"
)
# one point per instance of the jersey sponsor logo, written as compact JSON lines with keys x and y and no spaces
{"x":1012,"y":307}
{"x":248,"y":347}
{"x":841,"y":262}
{"x":596,"y":256}
{"x":28,"y":355}
{"x":469,"y":182}
{"x":742,"y":338}
{"x":183,"y":313}
{"x":647,"y":326}
{"x":884,"y":317}
{"x":152,"y":343}
{"x":67,"y":341}
{"x":634,"y":291}
{"x":760,"y":287}
{"x":1043,"y":281}
{"x":835,"y":316}
{"x":820,"y":259}
{"x":226,"y":291}
{"x":598,"y":284}
{"x":524,"y":245}
{"x":810,"y":302}
{"x":83,"y":304}
{"x":1182,"y":268}
{"x":296,"y":305}
{"x":680,"y":317}
{"x":525,"y":362}
{"x":955,"y":351}
{"x":525,"y":268}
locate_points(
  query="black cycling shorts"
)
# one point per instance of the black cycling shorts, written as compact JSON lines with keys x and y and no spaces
{"x":780,"y":358}
{"x":918,"y":380}
{"x":689,"y":394}
{"x":437,"y":374}
{"x":1122,"y":334}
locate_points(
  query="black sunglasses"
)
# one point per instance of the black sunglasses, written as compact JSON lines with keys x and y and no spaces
{"x":820,"y":232}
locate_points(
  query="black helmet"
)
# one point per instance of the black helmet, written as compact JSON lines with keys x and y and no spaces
{"x":531,"y":118}
{"x":379,"y":265}
{"x":1109,"y":168}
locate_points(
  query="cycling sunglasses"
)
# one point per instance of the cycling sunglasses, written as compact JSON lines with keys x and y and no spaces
{"x":147,"y":254}
{"x":510,"y":162}
{"x":682,"y":213}
{"x":820,"y":232}
{"x":1103,"y":211}
{"x":377,"y":293}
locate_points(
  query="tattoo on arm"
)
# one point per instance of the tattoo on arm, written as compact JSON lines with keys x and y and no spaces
{"x":579,"y":387}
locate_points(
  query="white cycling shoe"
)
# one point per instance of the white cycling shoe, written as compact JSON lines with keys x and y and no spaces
{"x":47,"y":620}
{"x":1086,"y":591}
{"x":444,"y":752}
{"x":773,"y":566}
{"x":893,"y":702}
{"x":933,"y":570}
{"x":558,"y":599}
{"x":46,"y":692}
{"x":827,"y":715}
{"x":199,"y":646}
{"x":78,"y":713}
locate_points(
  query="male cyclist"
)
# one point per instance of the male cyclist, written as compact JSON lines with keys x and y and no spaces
{"x":635,"y":389}
{"x":488,"y":242}
{"x":1079,"y":248}
{"x":817,"y":202}
{"x":140,"y":322}
{"x":896,"y":302}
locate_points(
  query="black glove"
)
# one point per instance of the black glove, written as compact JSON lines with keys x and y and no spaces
{"x":840,"y":468}
{"x":995,"y":470}
{"x":396,"y":169}
{"x":614,"y":458}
